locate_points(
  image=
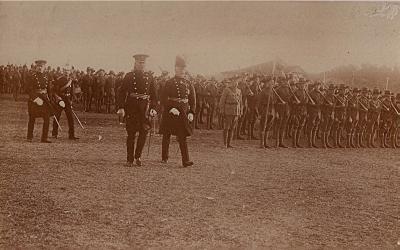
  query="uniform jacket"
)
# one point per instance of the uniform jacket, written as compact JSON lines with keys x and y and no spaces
{"x":136,"y":95}
{"x":230,"y":102}
{"x":178,"y":88}
{"x":39,"y":86}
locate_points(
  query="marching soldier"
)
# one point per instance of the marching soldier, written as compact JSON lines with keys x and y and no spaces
{"x":136,"y":95}
{"x":62,"y":93}
{"x":230,"y":107}
{"x":179,"y":101}
{"x":39,"y":102}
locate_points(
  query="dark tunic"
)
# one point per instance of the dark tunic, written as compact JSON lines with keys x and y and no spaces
{"x":136,"y":95}
{"x":178,"y":93}
{"x":39,"y":86}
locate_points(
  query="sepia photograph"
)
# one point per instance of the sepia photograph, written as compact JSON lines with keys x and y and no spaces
{"x":199,"y":125}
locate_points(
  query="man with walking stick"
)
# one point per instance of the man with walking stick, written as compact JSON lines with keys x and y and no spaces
{"x":136,"y":96}
{"x":39,"y":102}
{"x":62,"y":94}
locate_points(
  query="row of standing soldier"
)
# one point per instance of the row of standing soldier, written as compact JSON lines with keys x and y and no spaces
{"x":289,"y":108}
{"x":284,"y":106}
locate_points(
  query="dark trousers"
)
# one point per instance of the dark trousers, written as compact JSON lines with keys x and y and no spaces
{"x":130,"y":144}
{"x":31,"y":126}
{"x":182,"y":145}
{"x":70,"y":118}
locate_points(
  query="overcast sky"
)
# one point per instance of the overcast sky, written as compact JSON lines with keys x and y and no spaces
{"x":214,"y":36}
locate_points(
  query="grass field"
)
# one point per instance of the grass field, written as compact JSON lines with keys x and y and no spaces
{"x":80,"y":194}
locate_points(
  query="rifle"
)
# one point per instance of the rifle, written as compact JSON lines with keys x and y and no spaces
{"x":309,"y":97}
{"x":150,"y":135}
{"x":384,"y":105}
{"x":325,"y":99}
{"x":277,"y":95}
{"x":76,"y":117}
{"x":337,"y":98}
{"x":294,"y":95}
{"x":394,"y":107}
{"x":362,"y":105}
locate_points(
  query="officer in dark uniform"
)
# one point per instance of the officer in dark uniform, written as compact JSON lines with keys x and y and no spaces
{"x":39,"y":102}
{"x":179,"y":102}
{"x":137,"y":95}
{"x":62,"y":93}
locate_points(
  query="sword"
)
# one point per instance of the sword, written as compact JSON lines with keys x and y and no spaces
{"x":150,"y":135}
{"x":73,"y":112}
{"x":58,"y":124}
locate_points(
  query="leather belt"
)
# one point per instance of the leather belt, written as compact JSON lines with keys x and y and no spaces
{"x":181,"y":100}
{"x":139,"y":96}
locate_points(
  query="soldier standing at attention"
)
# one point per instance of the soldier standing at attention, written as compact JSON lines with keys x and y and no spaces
{"x":211,"y":99}
{"x":352,"y":117}
{"x":339,"y":115}
{"x":299,"y":111}
{"x":386,"y":118}
{"x":136,"y":95}
{"x":179,"y":102}
{"x":375,"y":106}
{"x":314,"y":113}
{"x":266,"y":109}
{"x":230,"y":107}
{"x":327,"y":108}
{"x":39,"y":102}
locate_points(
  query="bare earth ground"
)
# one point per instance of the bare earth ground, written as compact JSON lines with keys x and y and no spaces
{"x":80,"y":195}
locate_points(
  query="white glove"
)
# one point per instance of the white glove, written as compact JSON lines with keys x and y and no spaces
{"x":62,"y":104}
{"x":38,"y":101}
{"x":121,"y":112}
{"x":174,"y":111}
{"x":190,"y":117}
{"x":153,"y":112}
